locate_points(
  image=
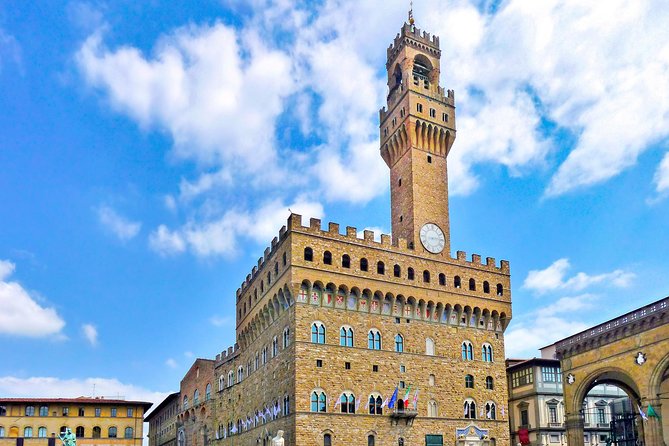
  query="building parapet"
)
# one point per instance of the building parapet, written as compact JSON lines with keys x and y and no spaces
{"x":412,"y":35}
{"x":227,"y":355}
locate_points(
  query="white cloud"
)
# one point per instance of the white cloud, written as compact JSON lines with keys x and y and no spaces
{"x":121,"y":227}
{"x":20,"y":314}
{"x":52,"y":387}
{"x":219,"y":236}
{"x":662,"y":176}
{"x":219,"y":321}
{"x":10,"y":49}
{"x":90,"y":333}
{"x":553,"y":278}
{"x":171,"y":363}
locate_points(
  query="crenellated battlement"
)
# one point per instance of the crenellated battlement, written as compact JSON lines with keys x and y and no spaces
{"x":227,"y":355}
{"x":411,"y":35}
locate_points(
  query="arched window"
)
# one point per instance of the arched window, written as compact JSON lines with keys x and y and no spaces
{"x":284,"y":259}
{"x":111,"y":433}
{"x":231,"y":381}
{"x":276,"y":268}
{"x":128,"y":433}
{"x":426,"y":276}
{"x":318,"y":333}
{"x":375,"y":404}
{"x":486,"y":287}
{"x":380,"y":268}
{"x":221,"y":383}
{"x":240,"y":374}
{"x":346,"y":261}
{"x":207,"y":392}
{"x":186,"y":401}
{"x":490,"y":412}
{"x":263,"y":355}
{"x":456,"y":282}
{"x":275,"y":346}
{"x":421,"y":71}
{"x":97,"y":432}
{"x":196,"y":396}
{"x":28,"y":432}
{"x":327,"y":258}
{"x":489,"y":383}
{"x":63,"y":429}
{"x":400,"y":442}
{"x":30,"y":411}
{"x":432,"y":408}
{"x":286,"y":337}
{"x":397,"y":271}
{"x":467,"y":351}
{"x":374,"y":339}
{"x":410,"y":273}
{"x":472,"y":285}
{"x":308,"y":254}
{"x":2,"y":432}
{"x":347,"y":403}
{"x":269,"y":278}
{"x":470,"y":409}
{"x":327,"y":440}
{"x":318,"y":401}
{"x":429,"y":347}
{"x":399,"y":343}
{"x":286,"y":405}
{"x":363,"y":264}
{"x":469,"y":381}
{"x":41,"y":432}
{"x":442,"y":279}
{"x":486,"y":351}
{"x":370,"y":440}
{"x":500,"y":289}
{"x":44,"y":411}
{"x":431,"y":380}
{"x":346,"y":336}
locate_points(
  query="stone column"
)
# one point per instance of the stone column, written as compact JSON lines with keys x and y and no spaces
{"x":574,"y":427}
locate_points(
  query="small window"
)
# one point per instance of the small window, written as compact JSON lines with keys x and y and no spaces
{"x":429,"y":159}
{"x":319,"y":363}
{"x":284,"y":259}
{"x":431,"y":380}
{"x":308,"y":254}
{"x":385,"y":131}
{"x":111,"y":433}
{"x":500,"y":289}
{"x":399,"y":343}
{"x":112,"y":412}
{"x":97,"y":432}
{"x":345,"y":261}
{"x":442,"y":279}
{"x":397,"y":271}
{"x":30,"y":411}
{"x":403,"y":368}
{"x":327,"y":258}
{"x":419,"y":107}
{"x":347,"y":365}
{"x":401,"y":218}
{"x":327,"y":440}
{"x":399,"y":182}
{"x":426,"y":276}
{"x":469,"y":381}
{"x":370,"y":440}
{"x":380,"y":268}
{"x":410,"y":274}
{"x":489,"y":383}
{"x":444,"y":117}
{"x":318,"y":333}
{"x":403,"y":385}
{"x":363,"y":264}
{"x":128,"y":433}
{"x":472,"y":285}
{"x":433,"y":113}
{"x":456,"y":282}
{"x":98,"y":410}
{"x":41,"y":432}
{"x":276,"y":269}
{"x":375,"y":368}
{"x":486,"y":287}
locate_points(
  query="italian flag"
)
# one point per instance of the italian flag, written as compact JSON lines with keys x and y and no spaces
{"x":406,"y":396}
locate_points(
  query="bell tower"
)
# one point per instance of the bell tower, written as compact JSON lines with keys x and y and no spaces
{"x":417,"y":131}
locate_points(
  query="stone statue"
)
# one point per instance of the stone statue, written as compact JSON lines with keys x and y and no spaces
{"x":68,"y":438}
{"x":278,"y":440}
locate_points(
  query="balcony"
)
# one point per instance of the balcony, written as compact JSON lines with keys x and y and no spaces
{"x":554,"y":424}
{"x":403,"y":414}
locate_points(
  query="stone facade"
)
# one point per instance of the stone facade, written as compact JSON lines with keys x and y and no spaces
{"x":163,"y":421}
{"x":197,"y":404}
{"x":307,"y":310}
{"x":95,"y":421}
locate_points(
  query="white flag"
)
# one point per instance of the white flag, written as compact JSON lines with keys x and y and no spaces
{"x":642,"y":413}
{"x":385,"y":403}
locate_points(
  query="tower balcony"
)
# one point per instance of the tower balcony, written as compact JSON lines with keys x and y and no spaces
{"x":405,"y":415}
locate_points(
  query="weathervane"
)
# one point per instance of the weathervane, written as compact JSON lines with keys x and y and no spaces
{"x":411,"y":20}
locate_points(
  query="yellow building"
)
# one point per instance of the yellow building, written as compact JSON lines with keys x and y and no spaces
{"x":344,"y":340}
{"x":94,"y":421}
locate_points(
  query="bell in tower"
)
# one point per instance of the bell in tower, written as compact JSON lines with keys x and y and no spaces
{"x":417,"y":132}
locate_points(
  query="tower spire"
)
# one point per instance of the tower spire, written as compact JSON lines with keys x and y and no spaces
{"x":411,"y":19}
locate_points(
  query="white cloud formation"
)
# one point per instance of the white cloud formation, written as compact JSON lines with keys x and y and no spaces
{"x":120,"y":226}
{"x":90,"y":333}
{"x":662,"y":176}
{"x":52,"y":387}
{"x":553,"y":278}
{"x":171,"y":363}
{"x":219,"y":236}
{"x":20,"y":314}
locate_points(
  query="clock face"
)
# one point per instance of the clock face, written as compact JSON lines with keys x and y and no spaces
{"x":432,"y":238}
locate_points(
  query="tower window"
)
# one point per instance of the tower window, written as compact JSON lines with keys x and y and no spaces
{"x":419,"y":107}
{"x":433,"y":113}
{"x":410,"y":274}
{"x":399,"y":182}
{"x":426,"y":276}
{"x":402,"y":112}
{"x":327,"y":258}
{"x":396,"y":270}
{"x":444,"y":117}
{"x":472,"y":285}
{"x":429,"y":159}
{"x":394,"y":122}
{"x":346,"y":261}
{"x":347,"y":365}
{"x":385,"y":131}
{"x":363,"y":264}
{"x":308,"y":254}
{"x":442,"y":279}
{"x":401,"y":218}
{"x":486,"y":287}
{"x":380,"y":268}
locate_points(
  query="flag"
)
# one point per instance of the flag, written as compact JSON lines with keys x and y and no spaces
{"x":384,"y":403}
{"x":406,"y":396}
{"x":488,"y":414}
{"x":393,"y":400}
{"x":357,"y":404}
{"x":415,"y":400}
{"x":642,"y":413}
{"x":466,"y":409}
{"x":337,"y":402}
{"x":652,"y":413}
{"x":502,"y":410}
{"x":233,"y":430}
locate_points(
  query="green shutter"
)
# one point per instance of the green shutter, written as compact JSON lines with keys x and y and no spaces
{"x":434,"y":440}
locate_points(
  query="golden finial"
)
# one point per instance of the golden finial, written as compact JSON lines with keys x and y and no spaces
{"x":411,"y":20}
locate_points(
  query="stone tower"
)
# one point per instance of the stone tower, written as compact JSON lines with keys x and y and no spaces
{"x":417,"y":131}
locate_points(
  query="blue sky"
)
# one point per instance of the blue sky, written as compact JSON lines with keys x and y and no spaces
{"x":150,"y":151}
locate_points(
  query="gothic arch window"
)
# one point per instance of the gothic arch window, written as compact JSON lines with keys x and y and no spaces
{"x":347,"y":402}
{"x":346,"y":261}
{"x":269,"y":278}
{"x":286,"y":337}
{"x":429,"y":347}
{"x":397,"y":271}
{"x":489,"y":383}
{"x":286,"y":405}
{"x":231,"y":381}
{"x":318,"y":333}
{"x":432,"y":409}
{"x":397,"y":75}
{"x":308,"y":254}
{"x":399,"y":343}
{"x":472,"y":285}
{"x":500,"y":289}
{"x":374,"y":339}
{"x":375,"y":404}
{"x":276,"y":268}
{"x":240,"y":374}
{"x":275,"y":346}
{"x":467,"y":351}
{"x":207,"y":392}
{"x":221,"y":383}
{"x":263,"y":355}
{"x":318,"y":401}
{"x":490,"y":411}
{"x":346,"y":336}
{"x":442,"y":279}
{"x":486,"y":287}
{"x":196,"y":397}
{"x":363,"y":264}
{"x":410,"y":273}
{"x":327,"y":258}
{"x":380,"y":268}
{"x":426,"y":276}
{"x":185,"y":405}
{"x":486,"y":351}
{"x":284,"y":259}
{"x":456,"y":282}
{"x":470,"y":408}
